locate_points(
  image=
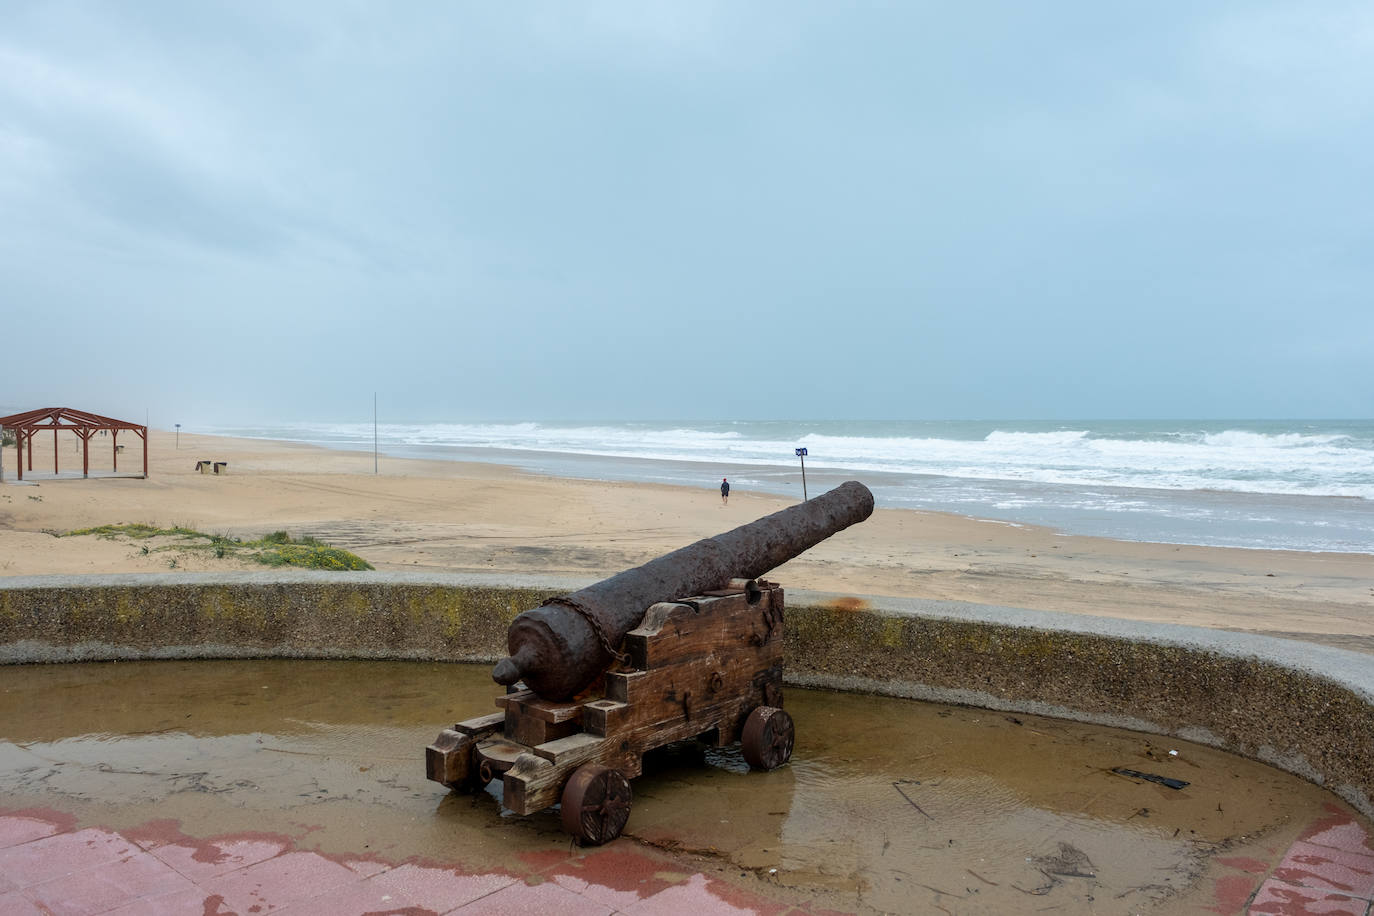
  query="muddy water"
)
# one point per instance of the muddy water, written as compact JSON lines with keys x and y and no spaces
{"x":888,"y":805}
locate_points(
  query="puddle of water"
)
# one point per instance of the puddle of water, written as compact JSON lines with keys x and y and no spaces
{"x":887,"y":804}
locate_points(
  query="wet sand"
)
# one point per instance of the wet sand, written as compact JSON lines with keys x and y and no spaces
{"x":452,"y":516}
{"x":888,"y":805}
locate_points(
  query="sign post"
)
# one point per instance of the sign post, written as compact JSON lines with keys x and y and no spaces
{"x":801,"y":453}
{"x":178,"y":426}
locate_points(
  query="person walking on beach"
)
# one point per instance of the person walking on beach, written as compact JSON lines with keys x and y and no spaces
{"x":724,"y":492}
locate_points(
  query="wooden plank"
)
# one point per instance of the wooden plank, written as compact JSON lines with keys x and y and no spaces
{"x":683,"y":634}
{"x":505,"y":700}
{"x":550,"y":711}
{"x":657,"y":736}
{"x":707,"y":671}
{"x":481,"y":726}
{"x":572,"y":750}
{"x":689,"y":699}
{"x":530,"y":704}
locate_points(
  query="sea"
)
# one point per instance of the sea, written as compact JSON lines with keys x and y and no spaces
{"x":1266,"y":484}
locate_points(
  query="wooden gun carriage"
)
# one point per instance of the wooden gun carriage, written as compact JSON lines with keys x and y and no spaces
{"x":708,"y":666}
{"x":583,"y":713}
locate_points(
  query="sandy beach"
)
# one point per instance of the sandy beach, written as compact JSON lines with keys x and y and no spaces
{"x":455,"y":517}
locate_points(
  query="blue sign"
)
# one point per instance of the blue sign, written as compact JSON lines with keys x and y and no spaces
{"x":801,"y":452}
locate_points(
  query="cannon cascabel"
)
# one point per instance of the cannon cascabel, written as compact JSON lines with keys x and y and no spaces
{"x":559,"y":648}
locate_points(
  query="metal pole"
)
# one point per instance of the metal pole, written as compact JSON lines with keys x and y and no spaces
{"x":374,"y":432}
{"x":801,"y":454}
{"x":2,"y":453}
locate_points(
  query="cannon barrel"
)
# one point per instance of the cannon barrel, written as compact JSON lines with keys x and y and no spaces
{"x":559,"y":648}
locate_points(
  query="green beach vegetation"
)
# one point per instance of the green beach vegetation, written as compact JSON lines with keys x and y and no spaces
{"x":275,"y":549}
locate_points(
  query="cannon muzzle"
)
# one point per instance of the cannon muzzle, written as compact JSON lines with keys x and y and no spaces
{"x":559,"y":648}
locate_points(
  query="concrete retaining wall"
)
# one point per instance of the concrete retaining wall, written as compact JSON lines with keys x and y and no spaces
{"x":1301,"y":707}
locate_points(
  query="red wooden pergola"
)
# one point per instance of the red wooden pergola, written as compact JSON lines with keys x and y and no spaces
{"x":26,"y":425}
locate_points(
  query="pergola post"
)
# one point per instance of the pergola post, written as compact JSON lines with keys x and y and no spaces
{"x":114,"y":448}
{"x":85,"y":453}
{"x":145,"y":452}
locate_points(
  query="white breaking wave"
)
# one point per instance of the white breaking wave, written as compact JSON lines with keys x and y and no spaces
{"x":1159,"y":456}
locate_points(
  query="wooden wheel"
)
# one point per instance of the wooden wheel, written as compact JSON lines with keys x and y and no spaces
{"x":596,"y":804}
{"x":767,"y":738}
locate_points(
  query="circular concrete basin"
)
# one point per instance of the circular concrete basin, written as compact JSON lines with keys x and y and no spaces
{"x":887,"y":805}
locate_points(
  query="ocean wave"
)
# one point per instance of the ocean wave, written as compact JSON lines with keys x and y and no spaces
{"x":1281,"y":461}
{"x":1239,"y":438}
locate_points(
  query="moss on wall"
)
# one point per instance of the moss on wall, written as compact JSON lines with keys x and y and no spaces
{"x":336,"y":618}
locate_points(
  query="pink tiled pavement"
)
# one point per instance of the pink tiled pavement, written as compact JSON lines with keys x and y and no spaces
{"x":521,"y":899}
{"x":41,"y":860}
{"x":15,"y":831}
{"x":694,"y":896}
{"x":208,"y":860}
{"x":1310,"y":865}
{"x":438,"y":889}
{"x":278,"y":882}
{"x":16,"y":904}
{"x":104,"y":887}
{"x":1281,"y":899}
{"x":1328,"y":870}
{"x":48,"y":867}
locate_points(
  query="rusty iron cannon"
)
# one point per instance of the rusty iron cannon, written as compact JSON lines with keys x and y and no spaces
{"x":561,"y":647}
{"x":688,"y":645}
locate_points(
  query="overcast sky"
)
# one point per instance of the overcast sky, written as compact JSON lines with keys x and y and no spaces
{"x":251,"y":212}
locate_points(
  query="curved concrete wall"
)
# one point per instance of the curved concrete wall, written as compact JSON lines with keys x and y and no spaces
{"x":1301,"y":707}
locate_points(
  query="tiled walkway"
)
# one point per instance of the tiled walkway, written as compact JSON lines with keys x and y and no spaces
{"x":1328,"y":870}
{"x":49,"y":866}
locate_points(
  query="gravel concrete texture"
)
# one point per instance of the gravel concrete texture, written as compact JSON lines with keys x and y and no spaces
{"x":1304,"y":708}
